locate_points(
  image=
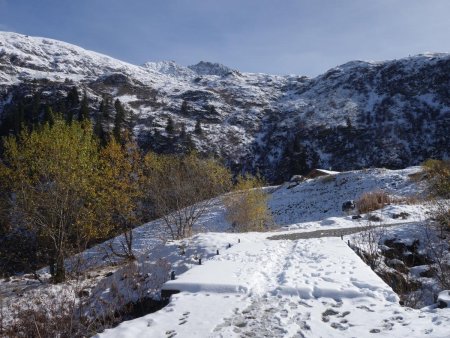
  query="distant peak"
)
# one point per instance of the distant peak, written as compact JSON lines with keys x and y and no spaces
{"x":168,"y":68}
{"x":211,"y":68}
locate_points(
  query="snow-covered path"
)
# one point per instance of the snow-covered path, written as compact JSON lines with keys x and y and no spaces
{"x":305,"y":288}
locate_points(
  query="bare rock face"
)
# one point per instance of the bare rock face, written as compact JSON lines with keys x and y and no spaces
{"x":385,"y":114}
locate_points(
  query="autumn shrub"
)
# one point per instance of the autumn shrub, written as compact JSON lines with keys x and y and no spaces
{"x":246,"y":206}
{"x":438,"y":176}
{"x":438,"y":179}
{"x":180,"y":189}
{"x":372,"y":201}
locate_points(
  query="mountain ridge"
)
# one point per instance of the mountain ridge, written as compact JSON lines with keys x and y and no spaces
{"x":378,"y":113}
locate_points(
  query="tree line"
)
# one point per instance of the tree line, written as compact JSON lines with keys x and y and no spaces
{"x":66,"y":187}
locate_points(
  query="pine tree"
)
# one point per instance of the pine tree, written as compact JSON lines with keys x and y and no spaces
{"x":119,"y":120}
{"x":105,"y":108}
{"x":49,"y":116}
{"x":72,"y":97}
{"x":198,"y":128}
{"x":182,"y":131}
{"x":98,"y":128}
{"x":19,"y":117}
{"x":184,"y":107}
{"x":189,"y":143}
{"x":212,"y":110}
{"x":35,"y":109}
{"x":72,"y":101}
{"x":170,"y":127}
{"x":83,"y":113}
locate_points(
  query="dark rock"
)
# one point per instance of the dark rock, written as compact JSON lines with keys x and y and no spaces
{"x":348,"y":206}
{"x":397,"y":265}
{"x":83,"y":293}
{"x":402,"y":215}
{"x":374,"y":218}
{"x":429,"y":273}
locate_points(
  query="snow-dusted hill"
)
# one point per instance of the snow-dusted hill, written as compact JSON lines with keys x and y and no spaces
{"x":255,"y":286}
{"x":360,"y":114}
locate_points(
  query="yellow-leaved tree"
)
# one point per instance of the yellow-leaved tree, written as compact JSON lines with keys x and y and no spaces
{"x":54,"y":176}
{"x":246,"y":206}
{"x":122,"y":194}
{"x":180,"y":189}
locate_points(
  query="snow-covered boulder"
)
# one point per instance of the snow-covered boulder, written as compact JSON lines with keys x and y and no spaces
{"x":444,"y":299}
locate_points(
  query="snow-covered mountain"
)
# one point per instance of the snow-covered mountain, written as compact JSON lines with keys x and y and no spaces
{"x":360,"y":114}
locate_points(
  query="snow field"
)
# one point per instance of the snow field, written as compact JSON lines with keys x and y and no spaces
{"x":305,"y":288}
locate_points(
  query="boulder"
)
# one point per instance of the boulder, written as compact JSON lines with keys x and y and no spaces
{"x":444,"y":299}
{"x":348,"y":206}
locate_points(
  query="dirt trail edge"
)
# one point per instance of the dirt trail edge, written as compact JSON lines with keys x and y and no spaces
{"x":332,"y":232}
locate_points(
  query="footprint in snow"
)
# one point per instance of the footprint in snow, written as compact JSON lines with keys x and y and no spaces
{"x":184,"y":318}
{"x":363,"y":307}
{"x":171,"y":333}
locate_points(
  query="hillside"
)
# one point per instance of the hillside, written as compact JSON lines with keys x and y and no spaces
{"x":361,"y":114}
{"x":261,"y":284}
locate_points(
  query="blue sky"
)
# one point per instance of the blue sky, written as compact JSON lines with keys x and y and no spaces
{"x":304,"y":37}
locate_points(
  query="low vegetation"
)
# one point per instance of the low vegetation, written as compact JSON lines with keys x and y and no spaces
{"x":181,"y":188}
{"x":372,"y":201}
{"x":438,"y":178}
{"x":247,"y":206}
{"x":64,"y":189}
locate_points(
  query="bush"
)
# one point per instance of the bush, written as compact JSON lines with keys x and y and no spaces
{"x":438,"y":173}
{"x":438,"y":178}
{"x":181,"y":189}
{"x":247,"y":207}
{"x":372,"y":201}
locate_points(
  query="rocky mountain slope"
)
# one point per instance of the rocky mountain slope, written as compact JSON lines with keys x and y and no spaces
{"x":360,"y":114}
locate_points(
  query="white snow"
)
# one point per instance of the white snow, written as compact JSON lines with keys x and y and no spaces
{"x":444,"y":297}
{"x":305,"y":288}
{"x":314,"y":288}
{"x":259,"y":287}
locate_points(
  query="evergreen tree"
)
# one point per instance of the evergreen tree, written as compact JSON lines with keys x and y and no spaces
{"x":198,"y":128}
{"x":189,"y":143}
{"x":212,"y":110}
{"x":348,"y":121}
{"x":119,"y":120}
{"x":83,"y":113}
{"x":98,"y":127}
{"x":72,"y":101}
{"x":35,"y":109}
{"x":49,"y":116}
{"x":184,"y":107}
{"x":182,"y":131}
{"x":72,"y":98}
{"x":19,"y":117}
{"x":170,"y":127}
{"x":105,"y":109}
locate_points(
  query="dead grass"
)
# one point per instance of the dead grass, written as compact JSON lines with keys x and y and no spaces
{"x":372,"y":201}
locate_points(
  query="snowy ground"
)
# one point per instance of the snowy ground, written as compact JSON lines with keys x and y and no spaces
{"x":264,"y":288}
{"x":258,"y":287}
